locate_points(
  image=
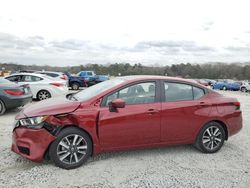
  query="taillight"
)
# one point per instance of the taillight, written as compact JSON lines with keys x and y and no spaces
{"x":56,"y":84}
{"x":14,"y":92}
{"x":64,"y":77}
{"x":237,"y":105}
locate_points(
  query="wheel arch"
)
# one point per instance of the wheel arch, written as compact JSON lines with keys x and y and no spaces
{"x":224,"y":126}
{"x":46,"y":154}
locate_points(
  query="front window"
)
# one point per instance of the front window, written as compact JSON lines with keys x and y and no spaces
{"x":136,"y":94}
{"x":98,"y":89}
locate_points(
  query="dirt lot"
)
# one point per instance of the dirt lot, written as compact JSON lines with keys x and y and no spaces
{"x":178,"y":166}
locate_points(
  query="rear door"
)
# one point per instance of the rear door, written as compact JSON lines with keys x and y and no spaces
{"x":184,"y":109}
{"x":136,"y":124}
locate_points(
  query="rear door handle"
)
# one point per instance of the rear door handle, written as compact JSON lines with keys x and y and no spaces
{"x":152,"y":111}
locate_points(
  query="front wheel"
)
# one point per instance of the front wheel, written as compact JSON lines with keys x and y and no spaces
{"x":71,"y":149}
{"x":224,"y":88}
{"x":211,"y":138}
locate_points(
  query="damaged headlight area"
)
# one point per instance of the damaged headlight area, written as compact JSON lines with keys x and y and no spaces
{"x":32,"y":122}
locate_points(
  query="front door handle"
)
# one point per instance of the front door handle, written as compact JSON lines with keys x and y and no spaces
{"x":152,"y":111}
{"x":203,"y":104}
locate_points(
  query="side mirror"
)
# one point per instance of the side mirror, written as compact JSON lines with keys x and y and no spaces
{"x":117,"y":103}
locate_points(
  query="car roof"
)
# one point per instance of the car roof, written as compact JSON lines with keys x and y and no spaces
{"x":144,"y":77}
{"x":30,"y":74}
{"x":155,"y":77}
{"x":50,"y":72}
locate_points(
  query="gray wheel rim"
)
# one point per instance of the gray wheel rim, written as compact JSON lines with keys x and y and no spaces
{"x":43,"y":95}
{"x":75,"y":87}
{"x":212,"y":138}
{"x":224,"y":88}
{"x":72,"y":149}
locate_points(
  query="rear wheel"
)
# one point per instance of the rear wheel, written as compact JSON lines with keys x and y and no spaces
{"x":75,"y":86}
{"x":43,"y":94}
{"x":211,"y":138}
{"x":2,"y":107}
{"x":71,"y":149}
{"x":224,"y":88}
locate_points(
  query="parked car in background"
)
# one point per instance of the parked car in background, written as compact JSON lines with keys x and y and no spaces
{"x":210,"y":82}
{"x":125,"y":113}
{"x":245,"y":87}
{"x":59,"y":75}
{"x":92,"y":78}
{"x":42,"y":86}
{"x":12,"y":95}
{"x":227,"y":85}
{"x":75,"y":82}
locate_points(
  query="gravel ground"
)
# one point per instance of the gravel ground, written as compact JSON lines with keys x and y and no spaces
{"x":178,"y":166}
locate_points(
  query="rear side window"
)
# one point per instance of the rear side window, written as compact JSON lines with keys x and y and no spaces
{"x":14,"y":78}
{"x":198,"y":92}
{"x":89,"y":73}
{"x":49,"y":74}
{"x":181,"y":92}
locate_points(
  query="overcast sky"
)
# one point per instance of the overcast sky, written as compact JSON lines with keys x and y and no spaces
{"x":73,"y":32}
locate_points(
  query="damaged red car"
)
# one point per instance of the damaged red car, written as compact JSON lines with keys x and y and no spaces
{"x":125,"y":113}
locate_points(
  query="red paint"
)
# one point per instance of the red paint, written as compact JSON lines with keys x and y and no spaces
{"x":134,"y":126}
{"x":36,"y":140}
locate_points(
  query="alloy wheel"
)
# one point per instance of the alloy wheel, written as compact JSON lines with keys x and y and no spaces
{"x":72,"y":149}
{"x":42,"y":95}
{"x":212,"y":138}
{"x":243,"y":89}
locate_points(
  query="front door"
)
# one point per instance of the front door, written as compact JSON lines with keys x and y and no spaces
{"x":136,"y":124}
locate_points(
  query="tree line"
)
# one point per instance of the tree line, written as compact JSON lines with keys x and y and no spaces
{"x":187,"y":70}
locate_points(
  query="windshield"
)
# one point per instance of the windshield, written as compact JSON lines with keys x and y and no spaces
{"x":97,"y":89}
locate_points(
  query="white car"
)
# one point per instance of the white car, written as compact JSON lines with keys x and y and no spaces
{"x":42,"y":86}
{"x":245,"y":87}
{"x":56,"y":75}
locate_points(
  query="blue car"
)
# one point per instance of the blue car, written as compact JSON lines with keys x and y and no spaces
{"x":234,"y":86}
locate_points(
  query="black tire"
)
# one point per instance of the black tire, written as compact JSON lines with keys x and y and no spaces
{"x":224,"y":88}
{"x":58,"y":151}
{"x":2,"y":107}
{"x":207,"y":143}
{"x":243,"y":89}
{"x":43,"y":94}
{"x":75,"y":86}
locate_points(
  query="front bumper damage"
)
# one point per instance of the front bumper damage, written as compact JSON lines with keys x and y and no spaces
{"x":31,"y":143}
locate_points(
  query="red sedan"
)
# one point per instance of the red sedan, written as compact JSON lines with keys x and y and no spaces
{"x":125,"y":113}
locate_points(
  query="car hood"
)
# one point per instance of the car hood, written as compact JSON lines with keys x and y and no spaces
{"x":59,"y":105}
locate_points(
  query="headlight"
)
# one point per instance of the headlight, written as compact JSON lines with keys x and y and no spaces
{"x":32,"y":122}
